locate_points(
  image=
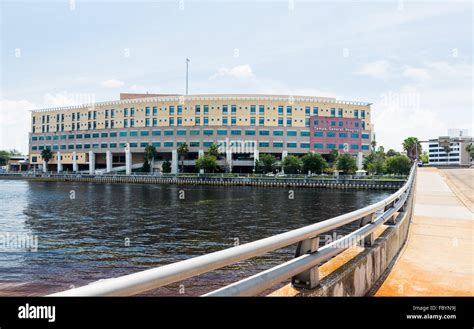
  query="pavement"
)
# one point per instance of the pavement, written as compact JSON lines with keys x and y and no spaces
{"x":438,"y":258}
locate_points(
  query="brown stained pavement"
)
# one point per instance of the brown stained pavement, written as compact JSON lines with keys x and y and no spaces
{"x":438,"y":258}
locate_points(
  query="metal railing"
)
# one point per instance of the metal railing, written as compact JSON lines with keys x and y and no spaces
{"x":303,"y":269}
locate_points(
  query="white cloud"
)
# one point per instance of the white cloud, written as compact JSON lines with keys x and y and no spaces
{"x":241,"y":72}
{"x":112,"y":83}
{"x":416,"y":73}
{"x":15,"y":124}
{"x":434,"y":97}
{"x":381,"y":69}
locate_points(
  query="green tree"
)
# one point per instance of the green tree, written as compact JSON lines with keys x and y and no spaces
{"x":207,"y":162}
{"x":146,"y":166}
{"x":392,"y":153}
{"x":313,"y":162}
{"x":424,"y":157}
{"x":346,"y":163}
{"x":399,"y":165}
{"x":292,"y":164}
{"x":4,"y":157}
{"x":150,"y":153}
{"x":373,"y":144}
{"x":267,"y":162}
{"x":333,"y":155}
{"x":166,"y":166}
{"x":411,"y":145}
{"x":374,"y":163}
{"x":470,"y":149}
{"x":213,"y":150}
{"x":182,"y":152}
{"x":47,"y":155}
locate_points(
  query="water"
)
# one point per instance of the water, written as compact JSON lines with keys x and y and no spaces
{"x":84,"y":239}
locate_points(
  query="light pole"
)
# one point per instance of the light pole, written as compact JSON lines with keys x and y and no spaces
{"x":187,"y":70}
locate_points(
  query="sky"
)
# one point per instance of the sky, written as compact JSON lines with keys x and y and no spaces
{"x":411,"y":60}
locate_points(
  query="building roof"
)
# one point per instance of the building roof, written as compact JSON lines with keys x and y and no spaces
{"x":166,"y":98}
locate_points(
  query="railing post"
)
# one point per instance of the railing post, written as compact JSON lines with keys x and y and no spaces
{"x":308,"y":279}
{"x":369,"y":239}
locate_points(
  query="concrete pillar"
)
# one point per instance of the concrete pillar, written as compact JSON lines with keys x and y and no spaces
{"x":44,"y":166}
{"x":284,"y":154}
{"x":228,"y":158}
{"x":91,"y":162}
{"x":108,"y":160}
{"x":256,"y":156}
{"x":60,"y":166}
{"x":128,"y":160}
{"x":360,"y":159}
{"x":174,"y":161}
{"x":74,"y":161}
{"x":200,"y":153}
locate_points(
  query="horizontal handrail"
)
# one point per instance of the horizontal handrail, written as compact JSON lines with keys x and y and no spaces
{"x":135,"y":283}
{"x":264,"y":280}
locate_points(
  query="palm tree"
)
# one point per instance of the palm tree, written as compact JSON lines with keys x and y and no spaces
{"x":470,"y":150}
{"x":213,"y":150}
{"x":412,"y":146}
{"x":182,"y":152}
{"x":373,"y":143}
{"x":47,"y":155}
{"x":150,"y":153}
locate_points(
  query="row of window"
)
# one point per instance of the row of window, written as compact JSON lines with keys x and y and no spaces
{"x":341,"y":146}
{"x":167,"y":144}
{"x":170,"y":133}
{"x":197,"y":110}
{"x":332,"y":134}
{"x":341,"y":123}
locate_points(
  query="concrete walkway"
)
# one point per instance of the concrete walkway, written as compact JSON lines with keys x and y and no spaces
{"x":438,"y":258}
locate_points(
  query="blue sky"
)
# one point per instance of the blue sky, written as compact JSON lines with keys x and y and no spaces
{"x":412,"y":60}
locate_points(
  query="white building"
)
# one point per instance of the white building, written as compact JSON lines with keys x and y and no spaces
{"x":450,"y":150}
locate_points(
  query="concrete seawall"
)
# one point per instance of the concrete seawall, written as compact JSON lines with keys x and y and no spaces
{"x":373,"y":184}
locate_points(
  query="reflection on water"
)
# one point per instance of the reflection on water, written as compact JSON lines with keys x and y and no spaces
{"x":83,"y":229}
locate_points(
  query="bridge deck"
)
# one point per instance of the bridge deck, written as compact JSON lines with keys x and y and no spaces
{"x":438,"y":257}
